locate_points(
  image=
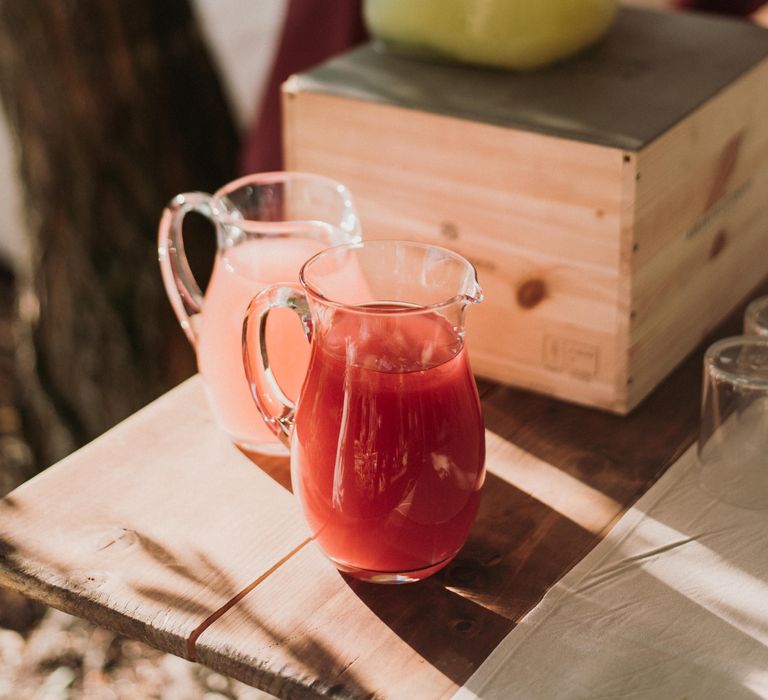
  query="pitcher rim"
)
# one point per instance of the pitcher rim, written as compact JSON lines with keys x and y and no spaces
{"x":315,"y":293}
{"x":755,"y":380}
{"x":274,"y":227}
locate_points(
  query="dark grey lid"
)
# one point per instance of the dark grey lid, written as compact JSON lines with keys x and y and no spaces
{"x":649,"y":72}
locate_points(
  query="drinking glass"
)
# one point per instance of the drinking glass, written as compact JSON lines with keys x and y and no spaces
{"x":386,"y":440}
{"x":756,"y":317}
{"x":266,"y":226}
{"x":733,"y":442}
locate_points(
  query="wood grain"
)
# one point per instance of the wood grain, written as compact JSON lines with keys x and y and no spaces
{"x":160,"y":525}
{"x":529,"y":211}
{"x":149,"y":529}
{"x":700,"y":228}
{"x":559,"y":477}
{"x":603,"y":266}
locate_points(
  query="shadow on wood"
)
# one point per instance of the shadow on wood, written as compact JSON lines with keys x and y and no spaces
{"x":196,"y":566}
{"x":274,"y":466}
{"x":307,"y":650}
{"x":516,"y":549}
{"x":618,"y":456}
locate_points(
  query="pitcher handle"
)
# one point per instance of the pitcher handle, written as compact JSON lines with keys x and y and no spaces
{"x":180,"y":285}
{"x":277,"y":410}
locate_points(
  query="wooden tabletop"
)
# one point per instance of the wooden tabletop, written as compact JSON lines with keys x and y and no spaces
{"x":163,"y":531}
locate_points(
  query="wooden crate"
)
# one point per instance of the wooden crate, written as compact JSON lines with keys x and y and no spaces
{"x":615,"y":206}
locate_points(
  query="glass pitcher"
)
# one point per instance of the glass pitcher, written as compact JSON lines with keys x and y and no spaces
{"x":267,"y":225}
{"x":386,"y":440}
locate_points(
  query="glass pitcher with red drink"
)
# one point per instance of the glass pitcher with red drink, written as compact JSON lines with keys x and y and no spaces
{"x":386,"y":439}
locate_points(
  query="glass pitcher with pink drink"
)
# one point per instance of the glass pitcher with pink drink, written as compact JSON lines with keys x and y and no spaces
{"x":386,"y":439}
{"x":266,"y":225}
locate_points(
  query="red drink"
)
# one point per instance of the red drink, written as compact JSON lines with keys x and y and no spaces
{"x":388,"y":447}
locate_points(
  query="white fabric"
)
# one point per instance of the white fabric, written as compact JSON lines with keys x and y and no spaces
{"x":243,"y":38}
{"x":673,"y":603}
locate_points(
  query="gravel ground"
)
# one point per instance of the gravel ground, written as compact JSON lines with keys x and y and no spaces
{"x":65,"y":658}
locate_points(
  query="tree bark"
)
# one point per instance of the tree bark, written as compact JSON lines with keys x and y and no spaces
{"x":115,"y":107}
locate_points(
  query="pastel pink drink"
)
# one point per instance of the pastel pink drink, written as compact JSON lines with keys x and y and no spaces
{"x":238,"y":274}
{"x":267,"y":225}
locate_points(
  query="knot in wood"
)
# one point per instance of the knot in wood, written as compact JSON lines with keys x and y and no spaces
{"x":463,"y":626}
{"x":449,"y":230}
{"x":589,"y":464}
{"x":725,"y":168}
{"x":531,"y":293}
{"x":468,"y":573}
{"x":718,"y":243}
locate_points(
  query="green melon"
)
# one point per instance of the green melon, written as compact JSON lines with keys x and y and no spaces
{"x":511,"y":34}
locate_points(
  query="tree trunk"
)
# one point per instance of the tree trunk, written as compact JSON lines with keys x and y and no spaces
{"x":115,"y":108}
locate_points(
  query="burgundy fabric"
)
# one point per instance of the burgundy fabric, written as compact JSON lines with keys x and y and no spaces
{"x":313,"y":31}
{"x":729,"y":7}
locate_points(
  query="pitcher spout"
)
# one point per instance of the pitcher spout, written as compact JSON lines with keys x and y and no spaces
{"x":472,"y":292}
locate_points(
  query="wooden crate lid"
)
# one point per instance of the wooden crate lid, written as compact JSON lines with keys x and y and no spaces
{"x":651,"y":70}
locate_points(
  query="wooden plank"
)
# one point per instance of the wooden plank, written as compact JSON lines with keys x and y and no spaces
{"x":559,"y":477}
{"x":308,"y":631}
{"x":603,"y":265}
{"x":644,"y":76}
{"x":525,"y":193}
{"x":140,"y":533}
{"x":701,"y":228}
{"x":538,"y":216}
{"x":151,"y":528}
{"x":624,"y":286}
